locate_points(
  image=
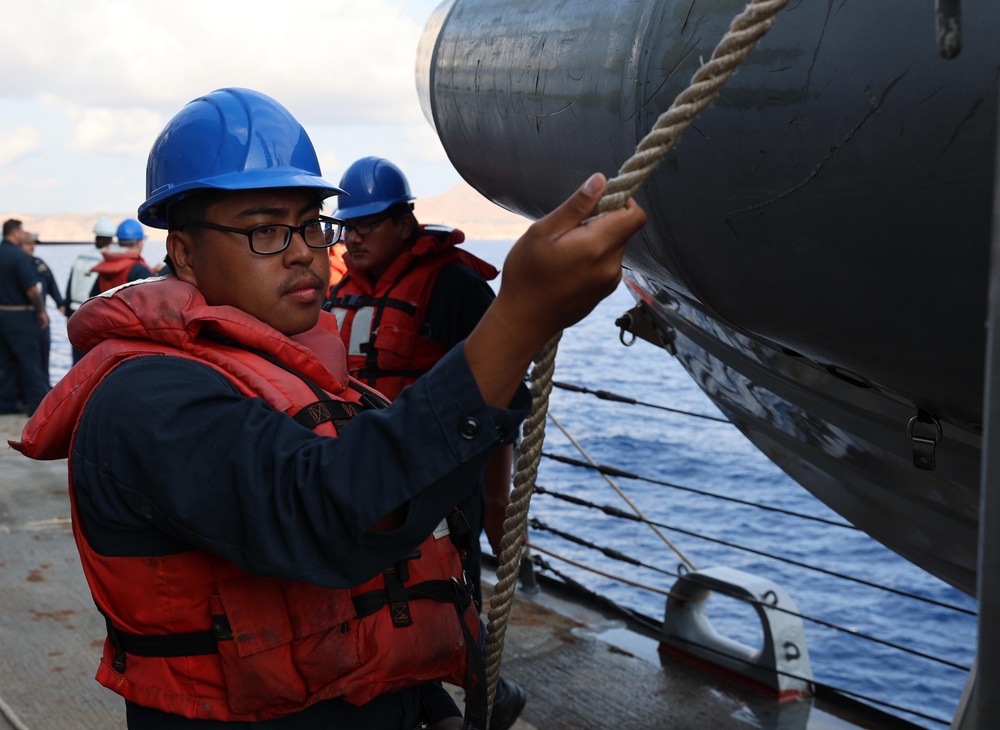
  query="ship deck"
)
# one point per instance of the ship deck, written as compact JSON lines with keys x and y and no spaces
{"x":581,"y":669}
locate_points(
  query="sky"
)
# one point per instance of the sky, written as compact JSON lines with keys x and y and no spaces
{"x":86,"y":86}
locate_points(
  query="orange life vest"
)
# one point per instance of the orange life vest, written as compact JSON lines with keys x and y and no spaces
{"x":191,"y":633}
{"x":338,"y":267}
{"x":380,"y":322}
{"x":113,"y":270}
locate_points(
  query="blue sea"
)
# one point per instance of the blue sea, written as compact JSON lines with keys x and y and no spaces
{"x":662,"y":446}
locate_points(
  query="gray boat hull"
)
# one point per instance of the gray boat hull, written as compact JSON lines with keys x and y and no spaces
{"x":825,"y":222}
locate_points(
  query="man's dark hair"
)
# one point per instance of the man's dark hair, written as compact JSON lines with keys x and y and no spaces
{"x":191,"y":207}
{"x":399,"y":211}
{"x":10,"y":225}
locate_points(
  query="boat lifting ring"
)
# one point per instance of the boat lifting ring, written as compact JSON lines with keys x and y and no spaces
{"x":625,"y":324}
{"x":779,"y":668}
{"x":924,"y":444}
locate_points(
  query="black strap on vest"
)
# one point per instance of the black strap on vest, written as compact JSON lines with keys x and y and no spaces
{"x":327,"y":410}
{"x":357,"y":301}
{"x":365,"y":604}
{"x":194,"y":643}
{"x":372,"y":374}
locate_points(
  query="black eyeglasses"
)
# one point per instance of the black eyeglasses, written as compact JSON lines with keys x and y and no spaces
{"x":363,"y":229}
{"x":274,"y":237}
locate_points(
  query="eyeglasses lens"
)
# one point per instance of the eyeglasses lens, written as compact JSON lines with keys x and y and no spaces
{"x":271,"y":239}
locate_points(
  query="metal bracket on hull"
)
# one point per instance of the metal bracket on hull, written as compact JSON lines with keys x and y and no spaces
{"x":780,"y":668}
{"x":924,"y":432}
{"x":639,"y":323}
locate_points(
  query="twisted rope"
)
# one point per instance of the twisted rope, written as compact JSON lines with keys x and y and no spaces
{"x":744,"y":32}
{"x":746,"y":29}
{"x":515,"y":524}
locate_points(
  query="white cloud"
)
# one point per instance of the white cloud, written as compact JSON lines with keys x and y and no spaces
{"x":46,"y":183}
{"x":340,"y":58}
{"x":119,"y":131}
{"x":331,"y":164}
{"x":18,"y":142}
{"x":98,"y":79}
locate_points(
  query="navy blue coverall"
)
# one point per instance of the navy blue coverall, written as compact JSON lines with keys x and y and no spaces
{"x":20,"y":343}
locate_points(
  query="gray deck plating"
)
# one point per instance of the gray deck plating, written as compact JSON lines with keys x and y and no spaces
{"x":50,"y":633}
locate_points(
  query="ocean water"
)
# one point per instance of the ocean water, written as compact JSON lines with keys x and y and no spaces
{"x":712,"y":457}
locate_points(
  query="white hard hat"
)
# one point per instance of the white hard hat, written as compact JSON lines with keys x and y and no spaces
{"x":104,"y":227}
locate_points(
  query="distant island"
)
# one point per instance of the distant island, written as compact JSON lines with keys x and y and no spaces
{"x":460,"y":207}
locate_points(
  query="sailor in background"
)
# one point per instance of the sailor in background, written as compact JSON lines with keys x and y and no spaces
{"x":49,"y":288}
{"x":81,"y":274}
{"x":410,"y":294}
{"x":22,"y":315}
{"x":122,"y":260}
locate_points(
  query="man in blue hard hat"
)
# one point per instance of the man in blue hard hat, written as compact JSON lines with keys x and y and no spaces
{"x":266,"y":541}
{"x":122,"y":261}
{"x":409,"y":296}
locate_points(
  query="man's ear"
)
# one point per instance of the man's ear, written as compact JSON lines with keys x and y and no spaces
{"x":408,"y":224}
{"x":180,"y":249}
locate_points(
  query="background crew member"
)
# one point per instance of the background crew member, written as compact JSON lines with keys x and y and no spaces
{"x":22,"y":315}
{"x":409,"y":296}
{"x":242,"y":527}
{"x":47,"y":282}
{"x":122,"y":260}
{"x":81,"y":274}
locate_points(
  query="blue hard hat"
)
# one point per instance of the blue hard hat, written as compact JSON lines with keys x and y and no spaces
{"x":231,"y":139}
{"x":130,"y":230}
{"x":373,"y":185}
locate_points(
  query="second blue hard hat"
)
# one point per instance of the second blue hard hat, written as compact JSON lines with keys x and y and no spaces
{"x":373,"y":185}
{"x":230,"y":139}
{"x":130,"y":230}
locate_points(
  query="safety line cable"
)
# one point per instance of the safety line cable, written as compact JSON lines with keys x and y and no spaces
{"x":615,"y":471}
{"x":613,"y":511}
{"x":615,"y":397}
{"x":745,"y":30}
{"x":620,"y":493}
{"x":618,"y":555}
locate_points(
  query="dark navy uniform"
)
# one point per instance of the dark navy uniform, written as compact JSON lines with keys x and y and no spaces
{"x":459,"y":300}
{"x":49,"y":289}
{"x":20,"y":344}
